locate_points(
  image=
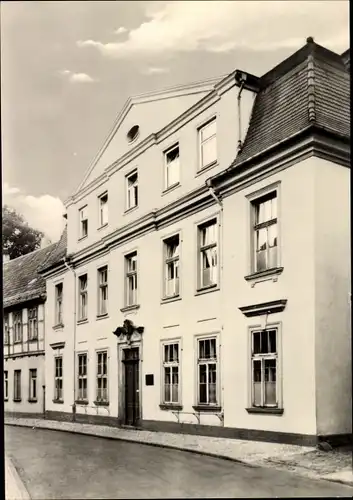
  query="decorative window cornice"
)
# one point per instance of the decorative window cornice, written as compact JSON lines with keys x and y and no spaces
{"x":265,"y":308}
{"x":57,"y":345}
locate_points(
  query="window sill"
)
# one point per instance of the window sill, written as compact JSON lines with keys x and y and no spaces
{"x":265,"y":410}
{"x":18,"y":400}
{"x":59,"y":326}
{"x":207,"y":408}
{"x":130,"y":308}
{"x":131,"y":209}
{"x":82,"y":238}
{"x":166,"y":300}
{"x":207,"y":289}
{"x":82,"y":321}
{"x":58,"y":401}
{"x":206,"y":168}
{"x":102,"y":316}
{"x":101,"y":403}
{"x":32,"y":400}
{"x":170,"y":188}
{"x":170,"y":406}
{"x":272,"y":273}
{"x":102,"y":227}
{"x":81,"y":402}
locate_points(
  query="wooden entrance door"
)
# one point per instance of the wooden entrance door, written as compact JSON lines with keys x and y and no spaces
{"x":132,"y":394}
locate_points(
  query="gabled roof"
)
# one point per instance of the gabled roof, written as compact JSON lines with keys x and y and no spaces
{"x":311,"y":87}
{"x":21,"y":281}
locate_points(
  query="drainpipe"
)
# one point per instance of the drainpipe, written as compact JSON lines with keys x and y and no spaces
{"x":74,"y":349}
{"x":241,"y":80}
{"x":219,"y":202}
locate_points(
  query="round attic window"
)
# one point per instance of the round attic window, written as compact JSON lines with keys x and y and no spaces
{"x":133,"y":133}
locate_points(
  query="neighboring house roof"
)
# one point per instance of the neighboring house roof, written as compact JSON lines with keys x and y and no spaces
{"x":21,"y":281}
{"x":311,"y":87}
{"x":346,"y":56}
{"x":57,"y":255}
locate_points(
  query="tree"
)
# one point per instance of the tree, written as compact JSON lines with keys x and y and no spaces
{"x":18,"y":238}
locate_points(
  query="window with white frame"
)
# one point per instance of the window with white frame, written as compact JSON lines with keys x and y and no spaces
{"x":208,"y":144}
{"x":6,"y":385}
{"x":171,"y":266}
{"x":208,"y":254}
{"x":264,"y":367}
{"x":132,"y":190}
{"x":17,"y":326}
{"x":102,"y":376}
{"x":6,"y":329}
{"x":33,"y":323}
{"x":82,"y":377}
{"x":171,"y":393}
{"x":207,"y":371}
{"x":265,"y":232}
{"x":83,"y":297}
{"x":172,"y":166}
{"x":17,"y":385}
{"x":33,"y":384}
{"x":131,"y":279}
{"x":59,"y":304}
{"x":103,"y":209}
{"x":58,"y":379}
{"x":83,"y":222}
{"x":103,"y":291}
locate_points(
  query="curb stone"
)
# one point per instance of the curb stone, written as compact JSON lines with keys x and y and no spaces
{"x":15,"y":488}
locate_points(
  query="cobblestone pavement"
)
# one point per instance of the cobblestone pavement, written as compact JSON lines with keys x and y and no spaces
{"x":306,"y":461}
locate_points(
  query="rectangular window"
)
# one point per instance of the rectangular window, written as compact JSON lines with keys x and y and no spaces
{"x":17,"y":386}
{"x":103,"y":291}
{"x":172,"y":166}
{"x":33,"y":384}
{"x":265,"y":232}
{"x":171,"y":393}
{"x":102,"y":376}
{"x":208,"y":144}
{"x":264,"y":360}
{"x":59,"y":304}
{"x":208,"y":254}
{"x":6,"y":329}
{"x":6,"y":385}
{"x":132,"y":190}
{"x":82,"y":378}
{"x":83,"y":297}
{"x":58,"y":379}
{"x":83,"y":222}
{"x":103,"y":209}
{"x":17,"y":326}
{"x":33,"y":323}
{"x":131,"y":279}
{"x":207,"y":371}
{"x":171,"y":266}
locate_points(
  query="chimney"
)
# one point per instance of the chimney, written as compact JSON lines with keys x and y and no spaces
{"x":5,"y":258}
{"x":45,"y":242}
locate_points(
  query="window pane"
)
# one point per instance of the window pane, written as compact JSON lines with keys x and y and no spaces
{"x":256,"y":383}
{"x":270,"y":382}
{"x":261,"y":261}
{"x":272,"y":257}
{"x":272,"y":341}
{"x":256,"y":342}
{"x":209,"y":152}
{"x":264,"y":342}
{"x":201,"y":349}
{"x":202,"y":384}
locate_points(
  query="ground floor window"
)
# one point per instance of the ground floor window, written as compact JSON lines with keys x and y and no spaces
{"x":102,"y":376}
{"x":6,"y":385}
{"x":171,"y":392}
{"x":33,"y":384}
{"x":82,"y":377}
{"x":207,"y":371}
{"x":17,"y":385}
{"x":264,"y":367}
{"x":58,"y":375}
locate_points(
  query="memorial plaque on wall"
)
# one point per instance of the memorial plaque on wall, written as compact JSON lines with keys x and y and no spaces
{"x":149,"y":379}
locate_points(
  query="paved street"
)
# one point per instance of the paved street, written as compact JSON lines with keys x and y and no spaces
{"x":59,"y":465}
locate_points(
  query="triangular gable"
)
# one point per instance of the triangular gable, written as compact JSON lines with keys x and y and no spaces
{"x":151,"y":112}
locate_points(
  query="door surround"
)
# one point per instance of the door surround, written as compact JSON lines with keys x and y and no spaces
{"x":122,"y":346}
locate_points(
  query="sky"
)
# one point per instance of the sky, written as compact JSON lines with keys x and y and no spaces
{"x":68,"y":67}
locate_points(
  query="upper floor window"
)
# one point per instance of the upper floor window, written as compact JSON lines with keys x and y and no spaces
{"x":208,"y":144}
{"x":171,"y":266}
{"x":103,"y":209}
{"x":17,"y":326}
{"x":208,"y":254}
{"x":132,"y":190}
{"x":172,"y":166}
{"x":103,"y":291}
{"x":131,"y":279}
{"x":33,"y":323}
{"x":6,"y":329}
{"x":265,"y":232}
{"x":59,"y":304}
{"x":83,"y":222}
{"x":83,"y":299}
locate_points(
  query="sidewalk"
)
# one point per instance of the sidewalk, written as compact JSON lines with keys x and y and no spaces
{"x":306,"y":461}
{"x":14,"y":487}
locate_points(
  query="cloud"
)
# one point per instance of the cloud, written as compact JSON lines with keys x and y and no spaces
{"x":120,"y":30}
{"x":155,"y":71}
{"x":44,"y":212}
{"x":222,"y":26}
{"x":77,"y":77}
